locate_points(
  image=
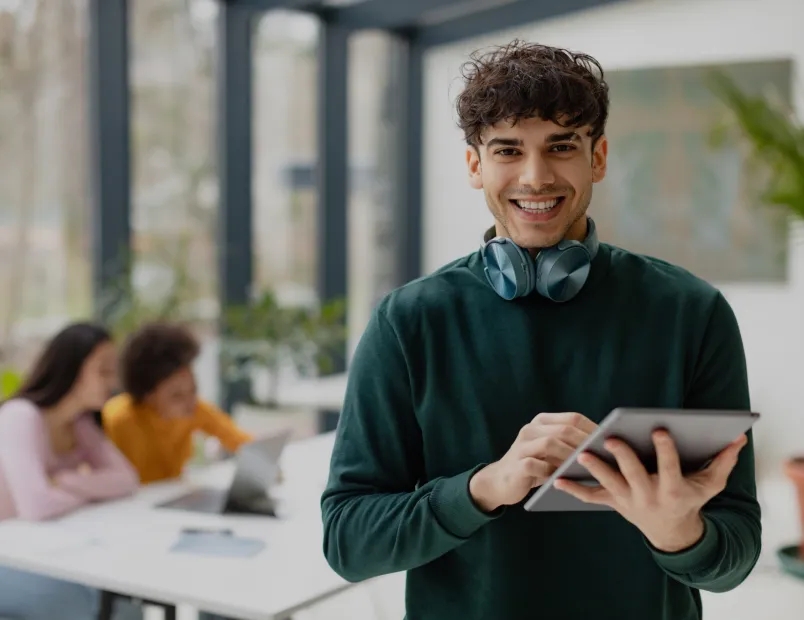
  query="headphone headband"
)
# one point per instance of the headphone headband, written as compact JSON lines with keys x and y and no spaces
{"x":591,"y":241}
{"x":557,"y":273}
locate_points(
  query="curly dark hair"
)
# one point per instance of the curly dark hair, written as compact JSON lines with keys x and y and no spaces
{"x":526,"y":80}
{"x":154,"y":353}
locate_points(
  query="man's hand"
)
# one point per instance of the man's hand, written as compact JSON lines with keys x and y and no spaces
{"x":541,"y":446}
{"x":665,"y":506}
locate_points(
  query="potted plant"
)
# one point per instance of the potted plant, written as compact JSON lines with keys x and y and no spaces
{"x":775,"y":141}
{"x":265,"y":338}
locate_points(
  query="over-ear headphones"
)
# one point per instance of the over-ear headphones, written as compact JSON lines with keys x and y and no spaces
{"x":557,"y":273}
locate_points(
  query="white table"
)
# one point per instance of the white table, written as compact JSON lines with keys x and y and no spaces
{"x":124,"y":546}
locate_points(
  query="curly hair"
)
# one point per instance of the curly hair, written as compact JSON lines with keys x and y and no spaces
{"x":154,"y":353}
{"x":526,"y":80}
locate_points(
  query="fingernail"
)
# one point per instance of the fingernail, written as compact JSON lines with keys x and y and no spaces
{"x":584,"y":458}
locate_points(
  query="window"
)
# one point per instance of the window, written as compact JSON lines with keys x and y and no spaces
{"x":44,"y":195}
{"x":174,"y":173}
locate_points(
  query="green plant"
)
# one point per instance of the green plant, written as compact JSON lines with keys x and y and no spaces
{"x":265,"y":335}
{"x":125,"y":306}
{"x":774,"y":136}
{"x":10,"y":382}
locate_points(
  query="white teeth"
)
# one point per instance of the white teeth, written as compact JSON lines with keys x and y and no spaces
{"x":528,"y":205}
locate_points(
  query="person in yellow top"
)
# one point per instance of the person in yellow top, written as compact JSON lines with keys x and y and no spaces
{"x":152,"y":423}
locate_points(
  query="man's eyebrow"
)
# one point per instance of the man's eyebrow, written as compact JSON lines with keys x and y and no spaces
{"x":504,"y":142}
{"x":567,"y":136}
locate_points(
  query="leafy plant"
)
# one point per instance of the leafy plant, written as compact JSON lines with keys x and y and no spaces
{"x":126,"y":306}
{"x":265,"y":335}
{"x":773,"y":135}
{"x":10,"y":382}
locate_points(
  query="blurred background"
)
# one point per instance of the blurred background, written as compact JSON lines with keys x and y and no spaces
{"x":266,"y":170}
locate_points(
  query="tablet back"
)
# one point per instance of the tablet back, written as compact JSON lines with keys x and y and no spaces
{"x":699,"y":436}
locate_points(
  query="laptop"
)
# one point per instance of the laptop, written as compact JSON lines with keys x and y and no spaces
{"x":256,"y":471}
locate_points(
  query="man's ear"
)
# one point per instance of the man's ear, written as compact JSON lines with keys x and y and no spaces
{"x":473,"y":166}
{"x":600,"y":153}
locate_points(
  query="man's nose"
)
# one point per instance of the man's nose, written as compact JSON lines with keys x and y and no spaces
{"x":536,"y":172}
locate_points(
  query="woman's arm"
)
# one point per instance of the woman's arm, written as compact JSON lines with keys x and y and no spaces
{"x":23,"y":451}
{"x":109,"y":475}
{"x":215,"y":422}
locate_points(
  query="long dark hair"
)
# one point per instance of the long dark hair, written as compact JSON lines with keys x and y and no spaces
{"x":57,"y":367}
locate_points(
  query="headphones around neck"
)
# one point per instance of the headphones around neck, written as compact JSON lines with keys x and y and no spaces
{"x":557,"y":273}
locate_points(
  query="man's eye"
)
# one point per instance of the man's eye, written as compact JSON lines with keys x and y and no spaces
{"x":564,"y":148}
{"x":507,"y":152}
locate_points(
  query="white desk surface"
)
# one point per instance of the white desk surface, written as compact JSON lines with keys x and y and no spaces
{"x":124,"y":546}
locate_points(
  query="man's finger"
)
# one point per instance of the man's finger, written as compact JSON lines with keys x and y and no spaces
{"x":590,"y":495}
{"x":536,"y":469}
{"x":570,"y":418}
{"x":716,"y":475}
{"x":631,"y":468}
{"x":570,"y":435}
{"x":547,"y":448}
{"x":668,"y":462}
{"x":606,"y":475}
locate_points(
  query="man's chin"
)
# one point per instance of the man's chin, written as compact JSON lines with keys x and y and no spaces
{"x":533,"y":242}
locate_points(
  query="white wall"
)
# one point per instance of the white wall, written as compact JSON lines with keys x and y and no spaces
{"x":637,"y":34}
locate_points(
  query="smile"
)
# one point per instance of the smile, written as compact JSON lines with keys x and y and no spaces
{"x":541,"y":206}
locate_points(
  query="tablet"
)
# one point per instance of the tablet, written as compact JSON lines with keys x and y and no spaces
{"x":699,"y":436}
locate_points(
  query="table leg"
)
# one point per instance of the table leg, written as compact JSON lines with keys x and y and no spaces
{"x":106,"y":608}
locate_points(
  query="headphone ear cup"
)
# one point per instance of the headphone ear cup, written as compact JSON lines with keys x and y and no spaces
{"x":509,"y":269}
{"x":562,"y":271}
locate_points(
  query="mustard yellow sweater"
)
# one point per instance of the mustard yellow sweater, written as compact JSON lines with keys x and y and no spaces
{"x":159,"y":447}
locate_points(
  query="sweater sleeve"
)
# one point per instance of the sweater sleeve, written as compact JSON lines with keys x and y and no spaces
{"x":23,"y":450}
{"x":379,"y":515}
{"x":731,"y":544}
{"x":215,"y":422}
{"x":110,"y":475}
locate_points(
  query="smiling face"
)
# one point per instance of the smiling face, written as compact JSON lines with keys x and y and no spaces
{"x":537,"y":179}
{"x":175,"y":397}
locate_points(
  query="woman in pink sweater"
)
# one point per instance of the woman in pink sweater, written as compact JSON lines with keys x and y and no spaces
{"x":54,"y":459}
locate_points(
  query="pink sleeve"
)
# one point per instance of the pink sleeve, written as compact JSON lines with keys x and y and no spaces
{"x":23,"y":450}
{"x":111,"y":474}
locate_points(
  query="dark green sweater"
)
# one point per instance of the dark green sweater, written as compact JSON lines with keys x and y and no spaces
{"x":443,"y":379}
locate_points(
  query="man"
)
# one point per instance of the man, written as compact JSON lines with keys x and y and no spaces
{"x":471,"y":385}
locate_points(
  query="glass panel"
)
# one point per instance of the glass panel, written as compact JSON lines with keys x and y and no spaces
{"x":284,"y":190}
{"x":174,"y":175}
{"x":372,"y":153}
{"x":45,"y":266}
{"x":284,"y":181}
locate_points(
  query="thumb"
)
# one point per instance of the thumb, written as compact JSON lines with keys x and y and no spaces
{"x":718,"y":471}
